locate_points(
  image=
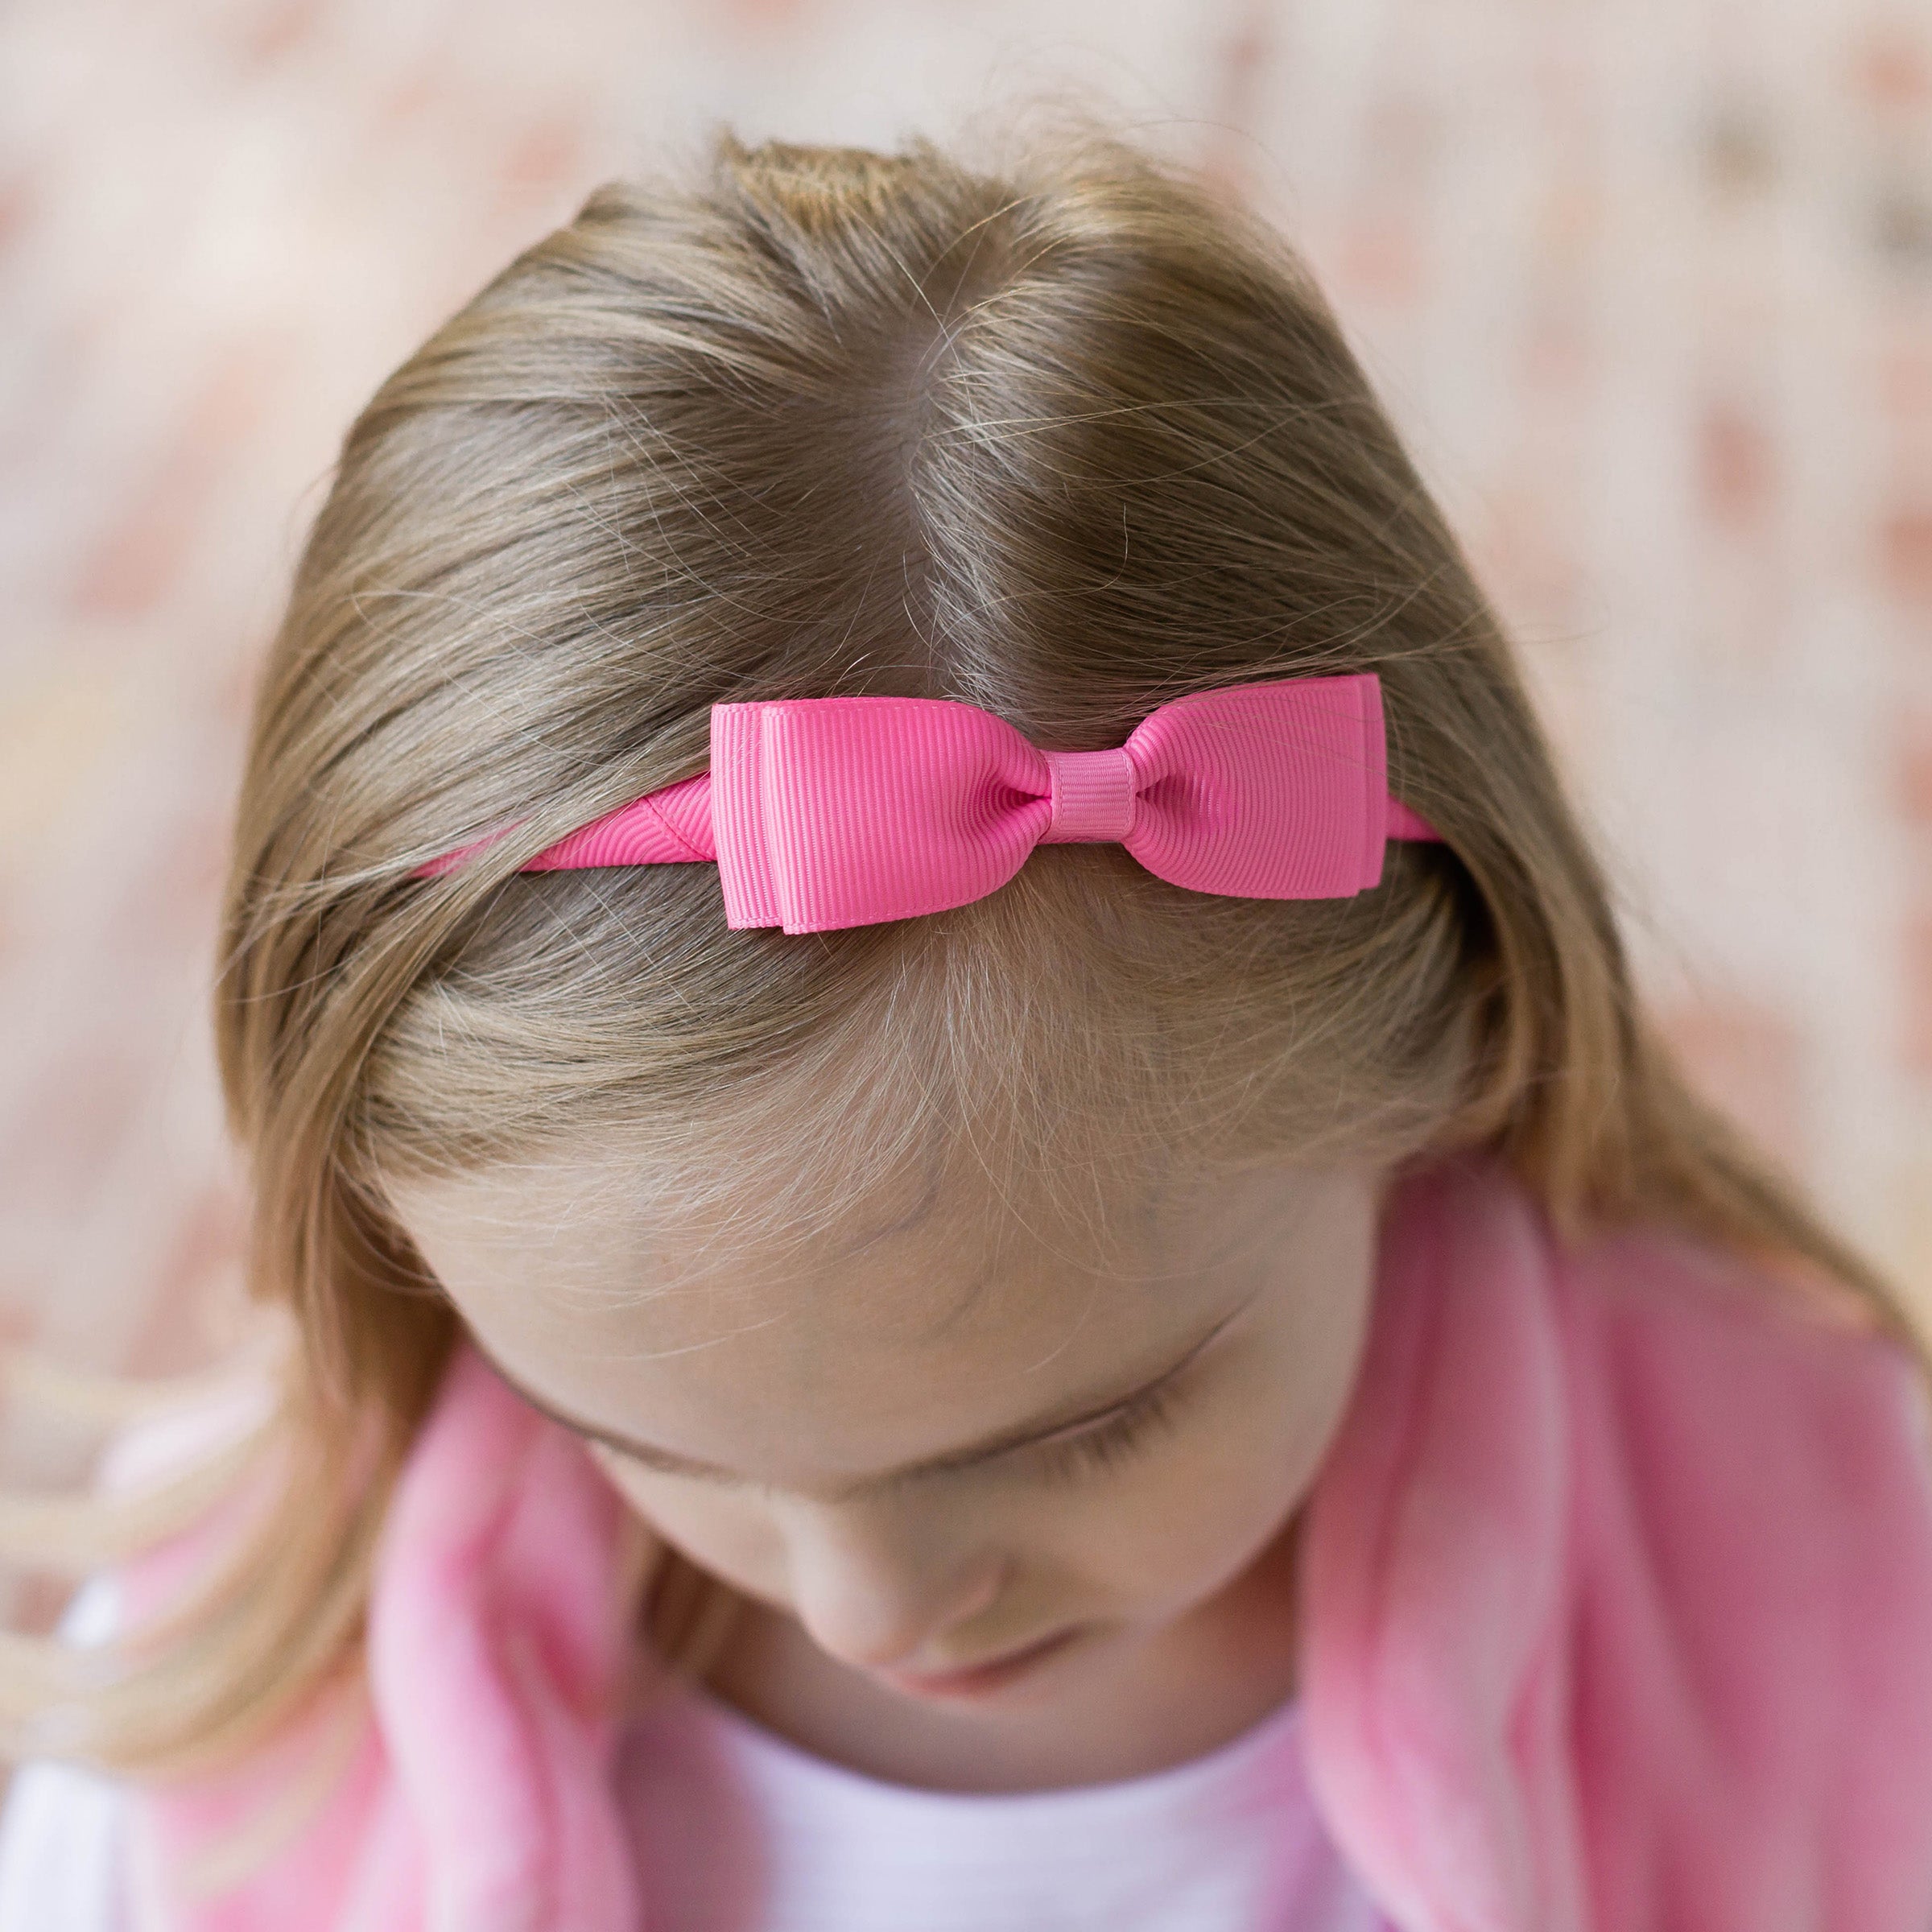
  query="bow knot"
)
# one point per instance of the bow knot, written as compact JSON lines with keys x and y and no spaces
{"x":1091,"y":801}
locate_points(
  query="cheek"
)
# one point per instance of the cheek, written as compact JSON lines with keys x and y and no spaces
{"x":1172,"y":1533}
{"x":728,"y":1532}
{"x":1182,"y":1527}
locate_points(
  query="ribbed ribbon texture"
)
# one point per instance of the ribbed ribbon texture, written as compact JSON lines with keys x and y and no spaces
{"x":830,"y":812}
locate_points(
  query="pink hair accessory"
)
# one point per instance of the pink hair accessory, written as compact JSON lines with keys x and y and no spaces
{"x":823,"y":813}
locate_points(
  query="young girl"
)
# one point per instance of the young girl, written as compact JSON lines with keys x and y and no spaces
{"x":982,"y":1231}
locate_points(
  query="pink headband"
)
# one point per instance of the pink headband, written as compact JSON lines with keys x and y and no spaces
{"x":829,"y":813}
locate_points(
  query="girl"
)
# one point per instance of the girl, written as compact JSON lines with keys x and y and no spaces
{"x":981,"y":1230}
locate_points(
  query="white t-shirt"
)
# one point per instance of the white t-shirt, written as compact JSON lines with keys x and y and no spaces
{"x":61,"y":1857}
{"x":738,"y":1831}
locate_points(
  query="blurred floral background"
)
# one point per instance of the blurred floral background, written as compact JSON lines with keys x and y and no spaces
{"x":1648,"y":283}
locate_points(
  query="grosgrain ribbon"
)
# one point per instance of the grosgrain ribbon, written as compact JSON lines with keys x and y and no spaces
{"x":829,"y":813}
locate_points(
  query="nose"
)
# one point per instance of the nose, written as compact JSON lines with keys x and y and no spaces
{"x":875,"y":1590}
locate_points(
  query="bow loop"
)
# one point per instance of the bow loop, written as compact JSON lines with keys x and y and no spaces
{"x":1264,"y":791}
{"x":830,"y":812}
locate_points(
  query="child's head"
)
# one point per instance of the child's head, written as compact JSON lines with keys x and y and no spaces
{"x":1066,"y":438}
{"x":1064,"y":443}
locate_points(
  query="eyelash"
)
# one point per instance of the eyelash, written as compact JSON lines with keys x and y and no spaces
{"x":1105,"y":1448}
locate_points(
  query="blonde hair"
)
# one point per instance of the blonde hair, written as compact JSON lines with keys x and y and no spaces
{"x":1064,"y":436}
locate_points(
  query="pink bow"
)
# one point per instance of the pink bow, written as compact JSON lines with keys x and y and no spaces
{"x":829,"y":813}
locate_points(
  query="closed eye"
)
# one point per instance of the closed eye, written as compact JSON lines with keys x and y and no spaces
{"x":1083,"y":1448}
{"x":1108,"y":1444}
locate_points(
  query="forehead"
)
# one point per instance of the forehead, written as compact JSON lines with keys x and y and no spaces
{"x":935,"y":1307}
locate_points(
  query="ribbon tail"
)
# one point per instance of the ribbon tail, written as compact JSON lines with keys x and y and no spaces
{"x":1405,"y":823}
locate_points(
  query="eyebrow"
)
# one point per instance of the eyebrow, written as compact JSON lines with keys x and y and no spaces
{"x":1021,"y":1436}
